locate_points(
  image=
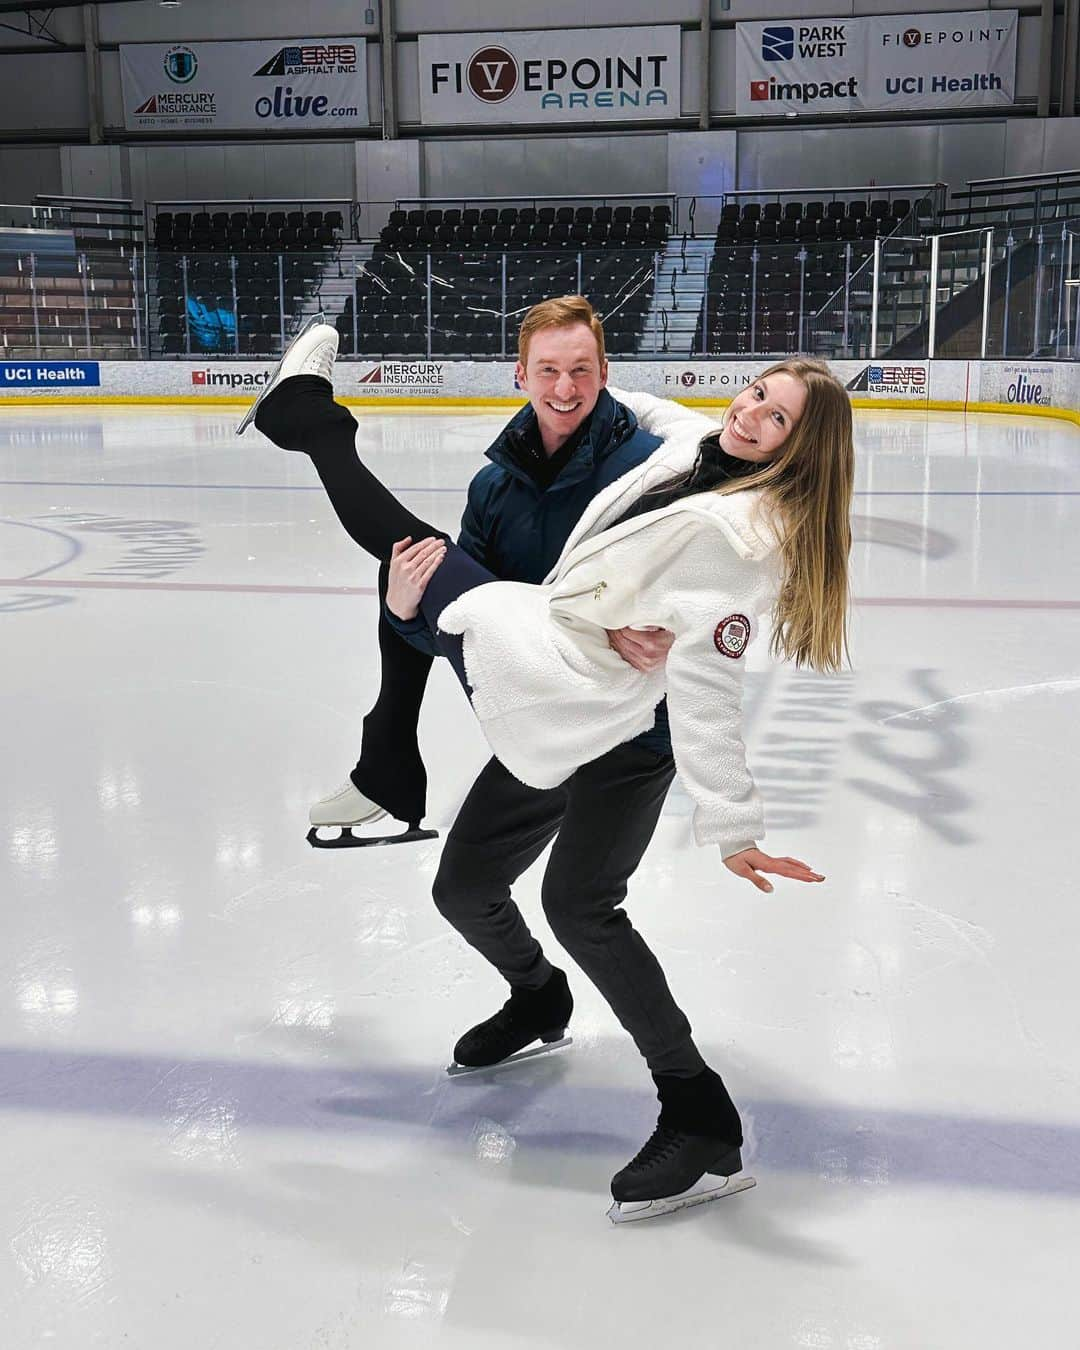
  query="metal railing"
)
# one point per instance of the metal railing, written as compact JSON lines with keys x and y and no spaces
{"x":993,"y":292}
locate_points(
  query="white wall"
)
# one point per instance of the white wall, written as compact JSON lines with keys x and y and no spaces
{"x":26,"y":170}
{"x":203,"y":20}
{"x":311,"y":169}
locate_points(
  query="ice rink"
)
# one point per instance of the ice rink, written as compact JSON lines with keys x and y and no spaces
{"x":226,"y":1122}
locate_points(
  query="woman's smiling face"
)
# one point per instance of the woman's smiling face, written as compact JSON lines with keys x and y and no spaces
{"x":763,"y":416}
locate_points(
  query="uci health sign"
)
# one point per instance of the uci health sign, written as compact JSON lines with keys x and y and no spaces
{"x":561,"y":75}
{"x":891,"y":63}
{"x":296,"y":84}
{"x":16,"y":375}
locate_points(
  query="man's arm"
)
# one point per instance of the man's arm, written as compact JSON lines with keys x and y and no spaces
{"x":662,"y":416}
{"x":472,"y":537}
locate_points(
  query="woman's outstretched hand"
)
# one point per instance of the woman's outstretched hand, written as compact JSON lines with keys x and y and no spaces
{"x":751,"y":861}
{"x":411,"y":568}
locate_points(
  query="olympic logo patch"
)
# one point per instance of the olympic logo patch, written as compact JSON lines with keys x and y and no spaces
{"x":731,"y":636}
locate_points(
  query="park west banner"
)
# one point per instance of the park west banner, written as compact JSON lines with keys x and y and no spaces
{"x":562,"y":75}
{"x":891,"y":63}
{"x":295,"y":84}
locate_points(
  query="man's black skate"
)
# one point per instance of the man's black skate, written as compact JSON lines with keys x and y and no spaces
{"x":686,"y":1161}
{"x":528,"y":1015}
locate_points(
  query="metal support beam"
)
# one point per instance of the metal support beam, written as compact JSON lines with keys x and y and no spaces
{"x":874,"y":299}
{"x":1068,"y":72}
{"x":95,"y":116}
{"x":988,"y":264}
{"x":705,"y":64}
{"x":1046,"y":52}
{"x":387,"y":26}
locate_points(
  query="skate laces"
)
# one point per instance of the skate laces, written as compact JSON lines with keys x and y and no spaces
{"x":661,"y":1144}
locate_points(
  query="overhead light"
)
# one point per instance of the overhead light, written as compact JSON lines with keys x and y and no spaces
{"x":169,"y":4}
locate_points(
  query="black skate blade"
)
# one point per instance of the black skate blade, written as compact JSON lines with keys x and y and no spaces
{"x":346,"y":839}
{"x":461,"y":1070}
{"x":271,"y":383}
{"x":709,"y":1188}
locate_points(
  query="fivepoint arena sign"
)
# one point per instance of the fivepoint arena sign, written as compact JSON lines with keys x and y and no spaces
{"x":892,"y":63}
{"x":562,"y":75}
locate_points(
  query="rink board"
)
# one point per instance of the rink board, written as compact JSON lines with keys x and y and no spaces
{"x":1045,"y":388}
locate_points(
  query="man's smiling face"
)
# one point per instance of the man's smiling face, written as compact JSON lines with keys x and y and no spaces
{"x":563,"y":376}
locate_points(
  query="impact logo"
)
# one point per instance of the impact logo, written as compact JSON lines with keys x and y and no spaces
{"x":889,"y":381}
{"x":229,"y":379}
{"x":772,"y":91}
{"x":778,"y":44}
{"x":318,"y":58}
{"x":492,"y":74}
{"x":181,"y":65}
{"x":403,"y":377}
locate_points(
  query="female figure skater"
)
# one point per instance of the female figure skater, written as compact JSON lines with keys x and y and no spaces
{"x":698,"y":540}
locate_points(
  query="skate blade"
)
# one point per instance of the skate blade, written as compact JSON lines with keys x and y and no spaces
{"x":271,"y":383}
{"x":701,"y":1193}
{"x":460,"y":1070}
{"x":346,"y":839}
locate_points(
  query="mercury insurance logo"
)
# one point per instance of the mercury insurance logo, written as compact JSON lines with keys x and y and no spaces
{"x":492,"y":74}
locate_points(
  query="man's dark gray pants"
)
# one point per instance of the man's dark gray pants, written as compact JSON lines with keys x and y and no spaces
{"x":602,"y":819}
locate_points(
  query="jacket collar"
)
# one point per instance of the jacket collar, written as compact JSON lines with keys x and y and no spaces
{"x":737,"y":514}
{"x":609,"y":427}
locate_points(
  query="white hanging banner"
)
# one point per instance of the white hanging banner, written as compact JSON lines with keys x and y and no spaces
{"x":562,"y":75}
{"x":891,"y":63}
{"x":298,"y":84}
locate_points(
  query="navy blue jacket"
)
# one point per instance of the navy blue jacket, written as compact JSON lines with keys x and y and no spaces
{"x":517,"y":530}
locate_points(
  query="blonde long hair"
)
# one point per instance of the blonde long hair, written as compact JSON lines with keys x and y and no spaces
{"x":807,"y":489}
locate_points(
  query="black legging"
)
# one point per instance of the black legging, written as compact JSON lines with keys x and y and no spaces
{"x":300,"y":414}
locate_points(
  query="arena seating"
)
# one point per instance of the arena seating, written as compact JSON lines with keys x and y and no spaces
{"x":55,"y":311}
{"x":388,"y":309}
{"x":747,"y":310}
{"x":236,"y":291}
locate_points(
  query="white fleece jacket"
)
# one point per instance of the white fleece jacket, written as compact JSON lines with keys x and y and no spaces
{"x":550,"y":693}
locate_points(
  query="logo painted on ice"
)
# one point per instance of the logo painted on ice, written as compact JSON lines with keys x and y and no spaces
{"x":778,"y":44}
{"x":181,"y":65}
{"x":731,"y":636}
